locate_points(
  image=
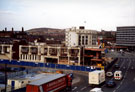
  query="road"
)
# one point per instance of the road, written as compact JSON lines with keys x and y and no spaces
{"x":127,"y":84}
{"x":83,"y":85}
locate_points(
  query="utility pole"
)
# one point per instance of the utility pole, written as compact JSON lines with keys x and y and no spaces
{"x":5,"y":77}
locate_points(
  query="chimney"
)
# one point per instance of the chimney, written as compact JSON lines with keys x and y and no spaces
{"x":22,"y":29}
{"x":81,"y":27}
{"x":12,"y":29}
{"x":5,"y":29}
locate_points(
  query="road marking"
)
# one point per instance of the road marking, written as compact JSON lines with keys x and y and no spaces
{"x":83,"y":88}
{"x":74,"y":88}
{"x":134,"y":79}
{"x":123,"y":76}
{"x":122,"y":64}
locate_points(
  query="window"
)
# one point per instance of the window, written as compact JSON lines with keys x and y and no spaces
{"x":86,"y":41}
{"x":79,"y":40}
{"x":82,"y":40}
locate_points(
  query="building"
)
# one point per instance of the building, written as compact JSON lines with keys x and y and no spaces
{"x":6,"y":51}
{"x":106,"y":38}
{"x":93,"y":57}
{"x":81,"y":37}
{"x":125,"y":36}
{"x":50,"y":54}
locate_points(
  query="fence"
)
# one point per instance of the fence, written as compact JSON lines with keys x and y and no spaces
{"x":47,"y":65}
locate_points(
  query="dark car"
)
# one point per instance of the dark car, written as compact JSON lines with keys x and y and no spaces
{"x":117,"y":66}
{"x":111,"y":83}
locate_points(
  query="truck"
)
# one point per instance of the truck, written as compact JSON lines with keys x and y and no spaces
{"x":96,"y":77}
{"x":54,"y":83}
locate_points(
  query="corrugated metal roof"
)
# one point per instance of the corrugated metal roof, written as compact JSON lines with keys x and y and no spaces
{"x":46,"y":79}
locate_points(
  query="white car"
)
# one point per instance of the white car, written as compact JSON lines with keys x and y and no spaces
{"x":96,"y":90}
{"x":109,"y":74}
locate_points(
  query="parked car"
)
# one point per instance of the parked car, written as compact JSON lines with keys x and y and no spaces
{"x":109,"y":74}
{"x":117,"y":66}
{"x":110,"y":83}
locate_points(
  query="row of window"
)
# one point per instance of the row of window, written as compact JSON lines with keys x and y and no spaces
{"x":30,"y":57}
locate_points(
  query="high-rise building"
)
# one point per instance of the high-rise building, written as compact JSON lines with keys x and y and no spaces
{"x":125,"y":36}
{"x":81,"y":37}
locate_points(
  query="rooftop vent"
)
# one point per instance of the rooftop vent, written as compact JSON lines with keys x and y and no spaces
{"x":81,"y":27}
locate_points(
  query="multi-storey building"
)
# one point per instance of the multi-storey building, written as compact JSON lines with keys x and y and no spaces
{"x":125,"y":36}
{"x":50,"y":54}
{"x":81,"y":37}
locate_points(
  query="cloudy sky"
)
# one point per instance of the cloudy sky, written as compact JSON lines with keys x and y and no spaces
{"x":94,"y":14}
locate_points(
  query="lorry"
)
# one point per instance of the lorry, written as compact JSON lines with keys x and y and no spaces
{"x":96,"y":90}
{"x":54,"y":83}
{"x":96,"y":77}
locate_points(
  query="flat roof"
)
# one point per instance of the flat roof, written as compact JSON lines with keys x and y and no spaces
{"x":96,"y":59}
{"x":46,"y":79}
{"x":93,"y":49}
{"x":96,"y":89}
{"x":97,"y":71}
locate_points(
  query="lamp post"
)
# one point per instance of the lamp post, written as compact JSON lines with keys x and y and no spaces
{"x":5,"y":77}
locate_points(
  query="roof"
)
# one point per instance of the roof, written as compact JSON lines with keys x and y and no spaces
{"x":96,"y":89}
{"x":96,"y":59}
{"x":93,"y":49}
{"x":46,"y":79}
{"x":97,"y":71}
{"x":118,"y":71}
{"x":116,"y":47}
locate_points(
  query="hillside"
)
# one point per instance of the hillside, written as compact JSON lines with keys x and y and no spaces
{"x":46,"y":31}
{"x":48,"y":35}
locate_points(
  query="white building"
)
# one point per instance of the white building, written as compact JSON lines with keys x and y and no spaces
{"x":81,"y":37}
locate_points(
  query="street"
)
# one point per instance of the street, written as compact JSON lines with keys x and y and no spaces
{"x":127,"y":84}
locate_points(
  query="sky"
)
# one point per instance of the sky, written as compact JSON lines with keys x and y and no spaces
{"x":93,"y":14}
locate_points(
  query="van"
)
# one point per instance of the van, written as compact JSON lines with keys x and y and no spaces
{"x":96,"y":77}
{"x":118,"y":75}
{"x":96,"y":90}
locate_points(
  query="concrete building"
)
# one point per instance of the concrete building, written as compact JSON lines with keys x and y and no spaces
{"x":81,"y":37}
{"x":93,"y":56}
{"x":50,"y":54}
{"x":125,"y":36}
{"x":6,"y":51}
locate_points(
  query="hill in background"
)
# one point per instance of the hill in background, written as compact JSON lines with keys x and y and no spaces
{"x":48,"y":35}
